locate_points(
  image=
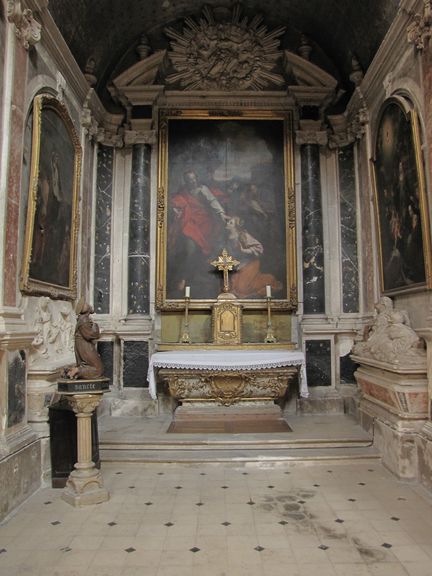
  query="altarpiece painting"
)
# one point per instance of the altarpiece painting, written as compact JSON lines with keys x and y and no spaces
{"x":226,"y":182}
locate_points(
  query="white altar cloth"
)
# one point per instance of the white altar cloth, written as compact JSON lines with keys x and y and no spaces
{"x":227,"y":360}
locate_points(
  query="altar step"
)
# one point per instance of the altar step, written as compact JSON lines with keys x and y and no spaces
{"x":313,"y":438}
{"x":235,"y":454}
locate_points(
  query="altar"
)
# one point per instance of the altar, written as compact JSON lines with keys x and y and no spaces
{"x":227,"y":376}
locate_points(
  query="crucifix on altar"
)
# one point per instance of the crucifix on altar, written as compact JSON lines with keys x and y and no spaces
{"x":225,"y":263}
{"x":227,"y":311}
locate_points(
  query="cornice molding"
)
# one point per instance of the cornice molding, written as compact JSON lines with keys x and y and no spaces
{"x":391,"y":52}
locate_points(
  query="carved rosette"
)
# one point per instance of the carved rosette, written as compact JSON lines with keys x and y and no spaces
{"x":235,"y":55}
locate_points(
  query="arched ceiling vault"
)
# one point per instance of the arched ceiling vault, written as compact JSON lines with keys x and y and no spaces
{"x":108,"y":31}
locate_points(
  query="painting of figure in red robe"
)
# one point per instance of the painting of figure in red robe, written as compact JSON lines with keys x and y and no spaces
{"x":226,"y":189}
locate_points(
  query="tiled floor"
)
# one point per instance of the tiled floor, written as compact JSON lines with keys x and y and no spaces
{"x":320,"y":519}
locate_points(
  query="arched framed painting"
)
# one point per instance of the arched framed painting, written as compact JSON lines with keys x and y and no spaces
{"x":49,"y":265}
{"x":401,"y":200}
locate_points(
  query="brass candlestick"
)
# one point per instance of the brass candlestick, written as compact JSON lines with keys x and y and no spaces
{"x":270,"y":337}
{"x":185,"y":339}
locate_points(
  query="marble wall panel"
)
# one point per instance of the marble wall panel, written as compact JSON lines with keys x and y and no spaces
{"x":318,"y":362}
{"x":106,"y":351}
{"x":347,"y":369}
{"x":20,"y":477}
{"x":312,"y":222}
{"x":16,"y":388}
{"x":102,"y":262}
{"x":135,"y":364}
{"x":139,"y":231}
{"x":348,"y":216}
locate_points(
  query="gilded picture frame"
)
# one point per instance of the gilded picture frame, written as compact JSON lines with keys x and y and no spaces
{"x":400,"y":200}
{"x":49,"y":265}
{"x":226,"y":180}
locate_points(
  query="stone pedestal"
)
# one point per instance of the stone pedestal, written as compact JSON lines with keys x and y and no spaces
{"x":394,"y":408}
{"x":84,"y":485}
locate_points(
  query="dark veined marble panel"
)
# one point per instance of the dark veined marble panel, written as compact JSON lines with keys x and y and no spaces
{"x":102,"y":263}
{"x":348,"y":210}
{"x":318,"y":362}
{"x":313,"y":244}
{"x":16,"y":388}
{"x":135,"y":364}
{"x":347,"y":369}
{"x":139,"y":231}
{"x":106,"y":352}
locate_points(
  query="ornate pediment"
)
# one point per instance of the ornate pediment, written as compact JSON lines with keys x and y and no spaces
{"x":209,"y":54}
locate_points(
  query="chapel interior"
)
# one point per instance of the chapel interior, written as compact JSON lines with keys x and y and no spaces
{"x":296,"y":136}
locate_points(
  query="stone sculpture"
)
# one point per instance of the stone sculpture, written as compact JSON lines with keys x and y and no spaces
{"x":88,"y":361}
{"x":390,"y":338}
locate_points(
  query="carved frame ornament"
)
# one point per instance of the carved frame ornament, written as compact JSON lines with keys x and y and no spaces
{"x":255,"y":191}
{"x":49,"y":264}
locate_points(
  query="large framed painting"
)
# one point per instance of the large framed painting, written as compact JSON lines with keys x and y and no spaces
{"x":226,"y":182}
{"x":400,"y":200}
{"x":49,"y":262}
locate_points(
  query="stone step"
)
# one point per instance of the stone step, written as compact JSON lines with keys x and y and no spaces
{"x":233,"y":444}
{"x":258,"y":456}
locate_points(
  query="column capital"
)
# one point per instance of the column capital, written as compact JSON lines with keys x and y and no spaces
{"x":27,"y":29}
{"x":420,"y":28}
{"x":84,"y":404}
{"x":311,"y":137}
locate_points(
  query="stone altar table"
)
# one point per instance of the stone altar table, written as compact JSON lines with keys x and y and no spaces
{"x":228,"y":376}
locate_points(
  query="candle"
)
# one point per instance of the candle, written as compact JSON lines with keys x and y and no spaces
{"x":187,"y":291}
{"x":268,"y":291}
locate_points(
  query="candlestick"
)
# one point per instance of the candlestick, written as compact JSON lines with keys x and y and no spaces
{"x":185,"y":339}
{"x":270,"y":337}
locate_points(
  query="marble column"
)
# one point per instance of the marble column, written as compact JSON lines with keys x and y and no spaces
{"x":312,"y":222}
{"x":103,"y":226}
{"x":139,"y":231}
{"x":348,"y":215}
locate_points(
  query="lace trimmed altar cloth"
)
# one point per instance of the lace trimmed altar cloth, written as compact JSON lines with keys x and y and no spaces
{"x":227,"y":360}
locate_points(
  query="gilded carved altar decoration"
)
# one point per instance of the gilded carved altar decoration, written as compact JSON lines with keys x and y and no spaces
{"x":391,"y":339}
{"x":237,"y":55}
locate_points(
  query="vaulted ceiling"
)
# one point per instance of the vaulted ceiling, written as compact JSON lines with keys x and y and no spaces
{"x":109,"y":30}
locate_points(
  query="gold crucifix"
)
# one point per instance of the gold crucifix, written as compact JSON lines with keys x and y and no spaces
{"x":226,"y":263}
